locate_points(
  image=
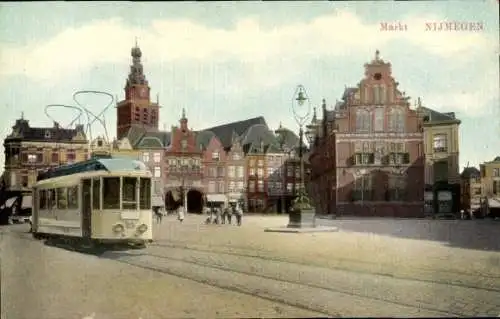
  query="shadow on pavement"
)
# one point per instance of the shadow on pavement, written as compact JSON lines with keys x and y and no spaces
{"x":470,"y":234}
{"x":79,"y":246}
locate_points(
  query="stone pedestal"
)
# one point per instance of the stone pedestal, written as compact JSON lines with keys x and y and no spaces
{"x":302,"y":218}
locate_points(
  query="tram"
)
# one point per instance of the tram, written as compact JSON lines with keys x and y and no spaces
{"x":101,"y":201}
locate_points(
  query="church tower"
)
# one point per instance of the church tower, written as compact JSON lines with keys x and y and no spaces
{"x":137,"y":108}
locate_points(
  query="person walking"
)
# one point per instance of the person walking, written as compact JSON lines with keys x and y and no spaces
{"x":180,"y":213}
{"x":224,"y":214}
{"x":239,"y":215}
{"x":230,"y":213}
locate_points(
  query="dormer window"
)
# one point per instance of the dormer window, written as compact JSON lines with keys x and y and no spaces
{"x":99,"y":143}
{"x":377,"y":76}
{"x":47,"y":134}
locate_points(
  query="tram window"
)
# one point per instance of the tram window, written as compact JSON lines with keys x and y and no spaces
{"x":145,"y":193}
{"x":129,"y":200}
{"x":111,"y":187}
{"x":51,"y":199}
{"x":62,"y":200}
{"x":42,"y":194}
{"x":96,"y":190}
{"x":73,"y":197}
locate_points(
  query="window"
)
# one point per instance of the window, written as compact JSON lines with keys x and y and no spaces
{"x":397,"y":121}
{"x":236,"y":156}
{"x":51,"y":199}
{"x":240,"y":173}
{"x":232,"y":186}
{"x":251,"y":186}
{"x":145,"y":193}
{"x":157,"y":157}
{"x":70,"y":156}
{"x":111,"y":187}
{"x":379,"y":119}
{"x":212,"y":171}
{"x":270,"y":171}
{"x":220,"y":171}
{"x":184,"y":144}
{"x":211,"y":187}
{"x":231,"y":171}
{"x":31,"y":158}
{"x":398,"y":154}
{"x":42,"y":202}
{"x":251,"y":172}
{"x":440,"y":169}
{"x":260,"y":172}
{"x":73,"y":197}
{"x":96,"y":191}
{"x":261,"y":186}
{"x":289,"y":187}
{"x":129,"y":196}
{"x":362,"y":188}
{"x":55,"y":157}
{"x":157,"y":171}
{"x":261,"y":162}
{"x":215,"y":156}
{"x":279,"y":186}
{"x":363,"y":121}
{"x":496,"y":172}
{"x":376,"y":94}
{"x":439,"y":143}
{"x":220,"y":187}
{"x":251,"y":162}
{"x":496,"y":187}
{"x":289,"y":171}
{"x":397,"y":188}
{"x":297,"y":172}
{"x":62,"y":202}
{"x":241,"y":186}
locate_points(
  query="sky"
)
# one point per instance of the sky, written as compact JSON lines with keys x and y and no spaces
{"x":228,"y":61}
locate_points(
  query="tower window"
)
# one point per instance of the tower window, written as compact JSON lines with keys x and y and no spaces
{"x":377,"y":76}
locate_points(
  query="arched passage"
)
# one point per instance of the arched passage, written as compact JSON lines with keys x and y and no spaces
{"x":171,"y":201}
{"x":194,"y":201}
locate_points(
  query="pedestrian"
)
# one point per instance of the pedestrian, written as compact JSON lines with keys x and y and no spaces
{"x":239,"y":215}
{"x":180,"y":214}
{"x":218,"y":216}
{"x":230,"y":214}
{"x":158,"y":214}
{"x":223,"y":215}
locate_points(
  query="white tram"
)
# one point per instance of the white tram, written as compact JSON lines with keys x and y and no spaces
{"x":99,"y":200}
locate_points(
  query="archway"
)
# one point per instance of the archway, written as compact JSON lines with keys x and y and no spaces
{"x":170,"y":202}
{"x":194,"y":201}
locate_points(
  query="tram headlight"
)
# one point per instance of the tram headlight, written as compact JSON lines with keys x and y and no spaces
{"x":142,"y":228}
{"x":118,"y":228}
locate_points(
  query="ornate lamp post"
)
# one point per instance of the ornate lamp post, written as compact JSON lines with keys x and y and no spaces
{"x":302,"y":214}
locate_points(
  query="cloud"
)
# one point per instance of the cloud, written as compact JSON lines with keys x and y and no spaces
{"x":336,"y":33}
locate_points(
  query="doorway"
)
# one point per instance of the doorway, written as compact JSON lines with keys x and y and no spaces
{"x":86,"y":209}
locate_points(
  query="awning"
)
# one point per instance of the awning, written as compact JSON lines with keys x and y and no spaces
{"x":221,"y":198}
{"x":493,"y":202}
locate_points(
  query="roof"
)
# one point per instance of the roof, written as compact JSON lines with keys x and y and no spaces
{"x":142,"y":138}
{"x":470,"y":172}
{"x":225,"y":132}
{"x":95,"y":164}
{"x":438,"y":117}
{"x":22,"y":130}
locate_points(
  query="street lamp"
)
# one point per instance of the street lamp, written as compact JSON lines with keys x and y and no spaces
{"x":302,"y":214}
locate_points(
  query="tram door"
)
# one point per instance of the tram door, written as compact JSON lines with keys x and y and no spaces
{"x":86,"y":208}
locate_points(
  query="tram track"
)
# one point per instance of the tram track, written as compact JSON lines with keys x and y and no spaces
{"x":246,"y":252}
{"x":375,"y":295}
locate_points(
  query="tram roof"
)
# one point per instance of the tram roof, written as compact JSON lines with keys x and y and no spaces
{"x":92,"y":165}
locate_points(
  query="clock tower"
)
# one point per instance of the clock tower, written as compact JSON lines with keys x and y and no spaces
{"x":137,"y":108}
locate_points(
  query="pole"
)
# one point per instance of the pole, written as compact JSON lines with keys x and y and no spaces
{"x":301,"y":158}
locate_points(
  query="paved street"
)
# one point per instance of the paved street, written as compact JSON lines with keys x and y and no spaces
{"x":369,"y":268}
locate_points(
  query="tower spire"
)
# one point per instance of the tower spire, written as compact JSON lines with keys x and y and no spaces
{"x":136,"y":75}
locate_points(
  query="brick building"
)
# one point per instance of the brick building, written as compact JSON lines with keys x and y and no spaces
{"x":29,"y":150}
{"x":322,"y":158}
{"x":214,"y":169}
{"x":183,"y":158}
{"x":379,"y":149}
{"x":471,"y":189}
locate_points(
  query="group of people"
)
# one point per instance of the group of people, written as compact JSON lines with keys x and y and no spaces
{"x":221,"y":215}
